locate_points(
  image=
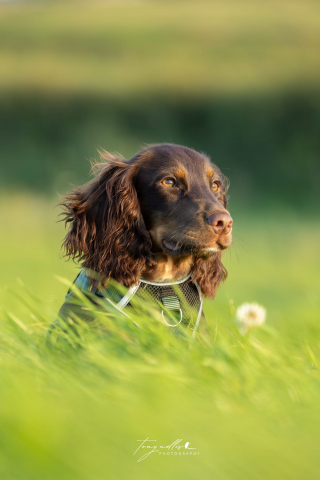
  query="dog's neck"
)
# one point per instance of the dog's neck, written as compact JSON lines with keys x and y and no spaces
{"x":169,"y":268}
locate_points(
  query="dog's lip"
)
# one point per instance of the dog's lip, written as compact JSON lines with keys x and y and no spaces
{"x":174,"y":248}
{"x":213,"y":248}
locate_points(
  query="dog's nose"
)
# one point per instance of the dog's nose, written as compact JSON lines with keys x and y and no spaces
{"x":221,"y":223}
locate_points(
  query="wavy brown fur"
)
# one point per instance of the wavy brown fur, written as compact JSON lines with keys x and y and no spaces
{"x":209,"y":274}
{"x":107,"y":231}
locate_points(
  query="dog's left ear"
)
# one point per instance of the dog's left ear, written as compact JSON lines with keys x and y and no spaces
{"x":107,"y":231}
{"x":209,"y":274}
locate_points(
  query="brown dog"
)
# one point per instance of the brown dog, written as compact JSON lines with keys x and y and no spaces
{"x":160,"y":216}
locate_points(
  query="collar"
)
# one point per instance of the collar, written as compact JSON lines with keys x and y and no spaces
{"x":121,"y":300}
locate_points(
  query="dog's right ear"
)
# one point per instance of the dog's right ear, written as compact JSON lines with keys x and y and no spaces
{"x":107,"y":232}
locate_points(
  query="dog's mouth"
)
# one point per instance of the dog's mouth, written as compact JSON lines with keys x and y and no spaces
{"x":173,"y":248}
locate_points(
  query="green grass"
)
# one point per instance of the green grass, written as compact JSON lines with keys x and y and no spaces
{"x":249,"y":405}
{"x":178,"y":48}
{"x":78,"y":75}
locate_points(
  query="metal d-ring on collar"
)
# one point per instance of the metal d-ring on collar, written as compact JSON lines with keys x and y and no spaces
{"x":163,"y":284}
{"x":168,"y":324}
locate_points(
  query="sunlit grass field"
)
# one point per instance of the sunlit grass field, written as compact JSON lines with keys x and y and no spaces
{"x":248,"y":404}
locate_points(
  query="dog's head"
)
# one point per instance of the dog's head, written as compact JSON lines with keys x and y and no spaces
{"x":183,"y":201}
{"x":167,"y":199}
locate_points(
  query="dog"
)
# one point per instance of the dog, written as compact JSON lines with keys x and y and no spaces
{"x":157,"y":222}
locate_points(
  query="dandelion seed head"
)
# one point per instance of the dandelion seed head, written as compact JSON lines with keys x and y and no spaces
{"x":250,"y":315}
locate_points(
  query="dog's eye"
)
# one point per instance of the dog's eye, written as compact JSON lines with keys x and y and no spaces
{"x":168,"y":182}
{"x":215,"y":186}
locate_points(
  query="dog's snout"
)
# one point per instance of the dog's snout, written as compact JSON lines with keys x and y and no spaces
{"x":221,"y":223}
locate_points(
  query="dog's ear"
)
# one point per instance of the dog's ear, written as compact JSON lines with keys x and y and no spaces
{"x":107,"y":231}
{"x":209,"y":274}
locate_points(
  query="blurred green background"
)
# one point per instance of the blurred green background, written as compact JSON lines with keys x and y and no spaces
{"x":238,"y":80}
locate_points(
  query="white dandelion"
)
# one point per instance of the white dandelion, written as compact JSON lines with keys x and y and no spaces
{"x":250,"y":315}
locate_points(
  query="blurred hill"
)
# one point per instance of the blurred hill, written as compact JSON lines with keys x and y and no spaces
{"x":238,"y":80}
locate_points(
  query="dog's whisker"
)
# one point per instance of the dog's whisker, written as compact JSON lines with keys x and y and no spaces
{"x":241,"y":243}
{"x":236,"y":251}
